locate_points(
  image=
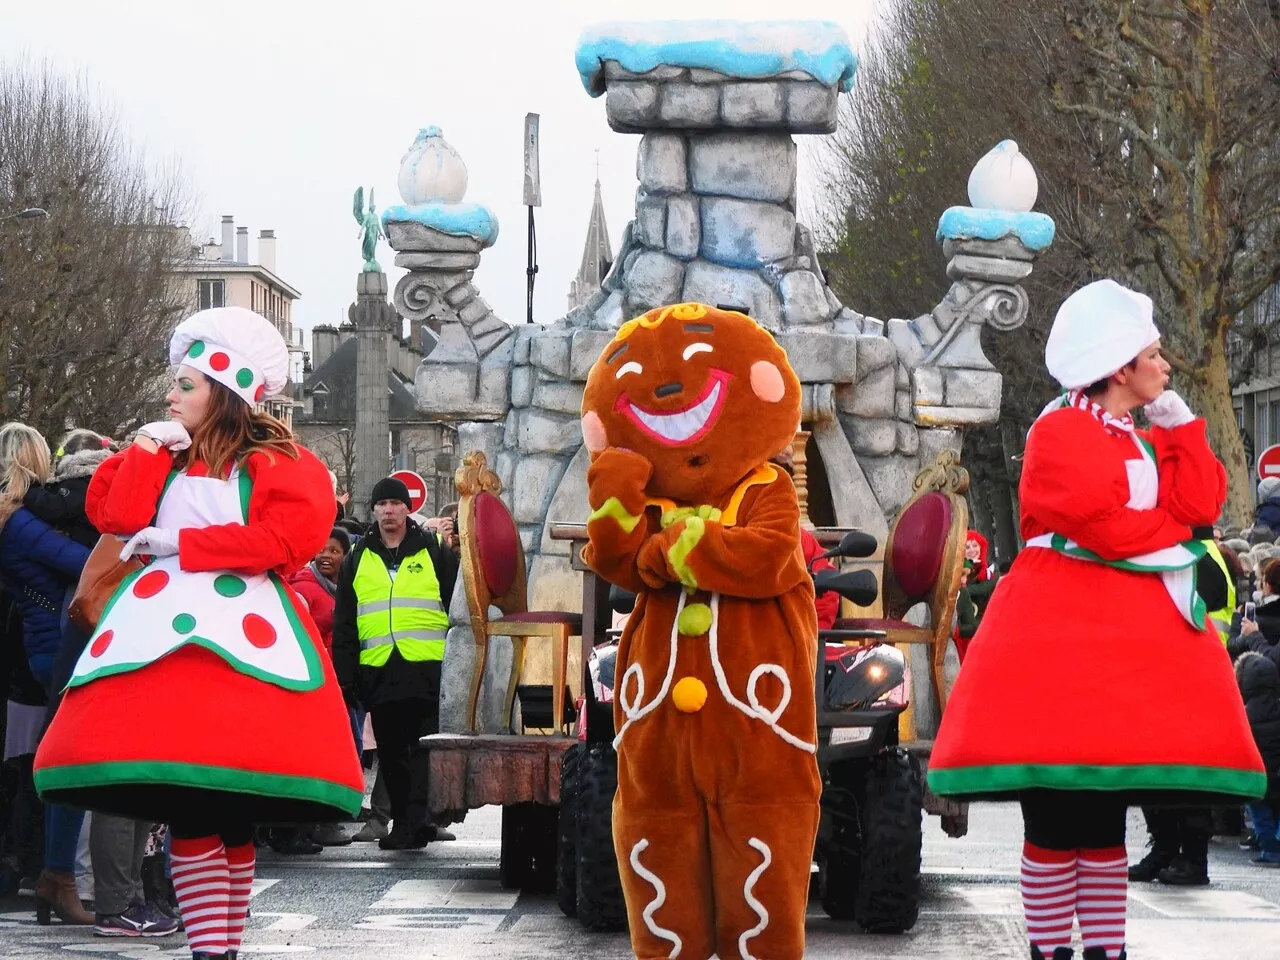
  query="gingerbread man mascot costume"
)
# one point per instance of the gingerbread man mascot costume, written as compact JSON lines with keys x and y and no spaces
{"x":204,"y":699}
{"x":717,"y":805}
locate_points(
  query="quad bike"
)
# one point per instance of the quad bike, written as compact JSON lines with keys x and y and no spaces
{"x":869,"y":835}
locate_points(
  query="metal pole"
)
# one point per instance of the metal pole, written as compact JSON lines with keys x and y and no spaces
{"x":532,"y":270}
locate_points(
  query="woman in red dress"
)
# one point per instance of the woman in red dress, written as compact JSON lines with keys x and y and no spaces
{"x":203,"y":698}
{"x":1093,"y":681}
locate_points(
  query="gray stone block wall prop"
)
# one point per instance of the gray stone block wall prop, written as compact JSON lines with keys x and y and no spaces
{"x":661,"y":164}
{"x":714,"y":222}
{"x":743,"y":165}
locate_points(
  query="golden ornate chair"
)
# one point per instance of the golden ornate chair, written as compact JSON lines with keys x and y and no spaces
{"x":493,"y":574}
{"x":923,"y":562}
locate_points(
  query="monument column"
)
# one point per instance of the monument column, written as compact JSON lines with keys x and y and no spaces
{"x":375,"y":320}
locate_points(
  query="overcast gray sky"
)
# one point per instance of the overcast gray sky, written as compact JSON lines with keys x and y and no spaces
{"x":279,"y":109}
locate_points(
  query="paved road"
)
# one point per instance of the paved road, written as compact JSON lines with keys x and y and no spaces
{"x":358,"y":903}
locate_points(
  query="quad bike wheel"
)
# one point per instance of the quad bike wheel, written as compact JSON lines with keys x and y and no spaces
{"x":567,"y":846}
{"x":529,"y":840}
{"x":601,"y":907}
{"x":841,"y":862}
{"x":888,"y":890}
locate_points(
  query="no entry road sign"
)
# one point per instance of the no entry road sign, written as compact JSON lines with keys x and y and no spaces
{"x":418,"y":487}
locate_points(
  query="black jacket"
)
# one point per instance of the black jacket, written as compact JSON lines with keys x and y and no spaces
{"x":1265,"y":641}
{"x":60,"y":503}
{"x":398,"y":679}
{"x":15,"y":672}
{"x":1259,"y":681}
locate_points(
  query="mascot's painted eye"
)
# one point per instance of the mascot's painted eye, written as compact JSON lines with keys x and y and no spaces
{"x":629,"y":367}
{"x":696,"y":348}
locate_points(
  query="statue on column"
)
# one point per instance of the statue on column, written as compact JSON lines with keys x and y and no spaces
{"x":370,"y":229}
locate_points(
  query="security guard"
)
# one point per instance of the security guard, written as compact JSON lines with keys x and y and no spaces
{"x":389,"y":629}
{"x":1215,"y":583}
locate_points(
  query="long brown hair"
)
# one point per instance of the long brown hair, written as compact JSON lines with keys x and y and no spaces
{"x":231,"y":431}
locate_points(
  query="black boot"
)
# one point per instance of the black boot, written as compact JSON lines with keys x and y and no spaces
{"x":1162,"y":828}
{"x":1186,"y":871}
{"x":1060,"y":953}
{"x":1098,"y":953}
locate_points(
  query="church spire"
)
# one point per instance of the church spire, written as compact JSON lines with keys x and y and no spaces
{"x":597,"y":255}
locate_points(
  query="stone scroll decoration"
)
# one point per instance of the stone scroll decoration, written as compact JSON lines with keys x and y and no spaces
{"x":717,"y":105}
{"x":439,"y":238}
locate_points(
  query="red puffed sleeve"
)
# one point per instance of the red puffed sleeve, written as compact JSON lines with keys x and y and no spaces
{"x":1074,"y":483}
{"x":290,"y":516}
{"x":1193,"y":484}
{"x":125,"y":490}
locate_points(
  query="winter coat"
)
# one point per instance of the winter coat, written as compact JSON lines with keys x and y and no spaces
{"x":312,"y":586}
{"x":397,"y":679}
{"x":1266,"y":641}
{"x":38,"y":564}
{"x":828,"y":604}
{"x":15,"y":673}
{"x":1269,"y":513}
{"x":60,"y":503}
{"x":1259,"y":680}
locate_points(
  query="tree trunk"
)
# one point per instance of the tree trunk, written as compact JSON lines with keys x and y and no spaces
{"x":1013,"y":441}
{"x":1212,"y":400}
{"x":980,"y":507}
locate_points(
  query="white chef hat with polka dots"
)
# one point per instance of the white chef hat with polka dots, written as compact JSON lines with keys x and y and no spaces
{"x":238,"y":348}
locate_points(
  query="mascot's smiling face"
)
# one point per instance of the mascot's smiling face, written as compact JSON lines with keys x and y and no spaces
{"x":705,"y":395}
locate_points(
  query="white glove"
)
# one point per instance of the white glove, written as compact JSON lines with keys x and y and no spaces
{"x":1168,"y":410}
{"x":167,"y":433}
{"x":153,"y":542}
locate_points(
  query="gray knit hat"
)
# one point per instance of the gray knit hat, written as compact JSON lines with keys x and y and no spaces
{"x":1268,"y":488}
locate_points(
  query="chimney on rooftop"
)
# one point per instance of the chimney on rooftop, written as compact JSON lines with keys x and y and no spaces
{"x":267,"y":249}
{"x":242,"y":244}
{"x":324,"y":341}
{"x":228,"y":251}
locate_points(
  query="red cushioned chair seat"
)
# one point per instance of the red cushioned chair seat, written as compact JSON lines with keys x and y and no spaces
{"x":497,"y":541}
{"x":871,"y":623}
{"x":544,"y":616}
{"x":919,"y":540}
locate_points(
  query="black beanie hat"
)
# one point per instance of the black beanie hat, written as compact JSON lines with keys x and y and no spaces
{"x":389,"y":488}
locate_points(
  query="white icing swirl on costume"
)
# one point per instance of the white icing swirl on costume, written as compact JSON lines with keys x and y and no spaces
{"x":748,"y":894}
{"x":631,"y":708}
{"x":755,"y":709}
{"x":659,"y":898}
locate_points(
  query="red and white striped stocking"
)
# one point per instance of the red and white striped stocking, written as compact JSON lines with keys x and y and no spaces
{"x":240,"y":861}
{"x":202,"y":882}
{"x":1048,"y":896}
{"x":1102,"y":899}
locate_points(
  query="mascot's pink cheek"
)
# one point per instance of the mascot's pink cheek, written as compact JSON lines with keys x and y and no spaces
{"x":766,"y":383}
{"x":593,"y":434}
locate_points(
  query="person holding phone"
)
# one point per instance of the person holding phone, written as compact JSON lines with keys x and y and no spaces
{"x":1256,"y":627}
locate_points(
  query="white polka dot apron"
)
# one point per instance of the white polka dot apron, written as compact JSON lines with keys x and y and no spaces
{"x":247,"y":620}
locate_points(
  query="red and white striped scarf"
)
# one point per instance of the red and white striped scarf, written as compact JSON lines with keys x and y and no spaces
{"x":1117,"y":425}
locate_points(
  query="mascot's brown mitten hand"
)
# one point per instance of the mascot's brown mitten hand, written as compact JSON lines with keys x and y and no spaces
{"x":717,"y":803}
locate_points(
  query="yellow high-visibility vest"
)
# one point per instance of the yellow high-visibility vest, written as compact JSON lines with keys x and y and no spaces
{"x":1222,"y":618}
{"x":406,"y":613}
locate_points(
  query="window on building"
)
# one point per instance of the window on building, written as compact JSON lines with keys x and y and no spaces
{"x":1262,"y":426}
{"x":211,"y":293}
{"x":1274,"y":417}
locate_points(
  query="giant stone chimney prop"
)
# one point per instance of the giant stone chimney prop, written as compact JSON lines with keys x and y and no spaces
{"x":717,"y":104}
